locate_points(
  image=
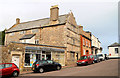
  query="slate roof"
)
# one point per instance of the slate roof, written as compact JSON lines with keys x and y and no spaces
{"x":114,"y":44}
{"x":27,"y":36}
{"x":37,"y":23}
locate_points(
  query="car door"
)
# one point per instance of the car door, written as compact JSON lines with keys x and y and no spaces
{"x":2,"y":66}
{"x":46,"y":65}
{"x":88,"y":59}
{"x":51,"y":65}
{"x":8,"y":69}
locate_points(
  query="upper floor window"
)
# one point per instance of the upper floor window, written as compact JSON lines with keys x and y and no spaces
{"x":36,"y":41}
{"x":22,"y":32}
{"x":86,"y":43}
{"x":116,"y":50}
{"x":83,"y":42}
{"x":11,"y":34}
{"x":34,"y":30}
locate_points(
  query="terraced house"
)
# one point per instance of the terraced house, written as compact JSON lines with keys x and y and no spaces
{"x":56,"y":38}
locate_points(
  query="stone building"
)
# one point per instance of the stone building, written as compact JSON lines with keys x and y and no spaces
{"x":85,"y":41}
{"x":56,"y":38}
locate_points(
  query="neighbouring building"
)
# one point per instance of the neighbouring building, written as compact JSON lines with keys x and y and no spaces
{"x":56,"y":38}
{"x":95,"y":45}
{"x":114,"y":50}
{"x":85,"y":41}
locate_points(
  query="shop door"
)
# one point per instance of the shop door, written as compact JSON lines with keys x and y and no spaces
{"x":15,"y":60}
{"x":43,"y":56}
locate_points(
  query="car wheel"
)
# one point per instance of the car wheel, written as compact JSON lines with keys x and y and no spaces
{"x":41,"y":70}
{"x":15,"y":74}
{"x":58,"y":67}
{"x":93,"y":62}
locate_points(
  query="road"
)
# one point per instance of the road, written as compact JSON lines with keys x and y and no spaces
{"x":104,"y":68}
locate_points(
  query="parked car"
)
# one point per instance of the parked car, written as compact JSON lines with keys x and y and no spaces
{"x":101,"y":56}
{"x":45,"y":65}
{"x":96,"y":59}
{"x":9,"y":69}
{"x":85,"y":60}
{"x":106,"y":57}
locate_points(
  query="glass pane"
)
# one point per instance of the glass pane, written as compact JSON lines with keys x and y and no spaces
{"x":2,"y":66}
{"x":8,"y":65}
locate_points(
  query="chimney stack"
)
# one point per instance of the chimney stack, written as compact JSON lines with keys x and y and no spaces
{"x":54,"y":13}
{"x":17,"y":20}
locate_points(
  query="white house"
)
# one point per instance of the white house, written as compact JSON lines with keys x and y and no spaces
{"x":114,"y":50}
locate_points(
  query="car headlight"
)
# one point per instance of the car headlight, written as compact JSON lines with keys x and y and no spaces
{"x":83,"y":61}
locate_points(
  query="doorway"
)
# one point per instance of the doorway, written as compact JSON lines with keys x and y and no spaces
{"x":15,"y":60}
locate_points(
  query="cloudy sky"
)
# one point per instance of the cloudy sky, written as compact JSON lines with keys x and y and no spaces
{"x":98,"y":16}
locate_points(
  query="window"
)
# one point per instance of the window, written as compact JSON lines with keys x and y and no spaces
{"x":22,"y":32}
{"x":49,"y":61}
{"x":2,"y":66}
{"x":91,"y":56}
{"x":34,"y":30}
{"x":8,"y":65}
{"x":116,"y":50}
{"x":86,"y":43}
{"x":37,"y":41}
{"x":83,"y":42}
{"x":11,"y":34}
{"x":83,"y":52}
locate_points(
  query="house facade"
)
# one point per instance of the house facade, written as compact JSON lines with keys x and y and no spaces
{"x":114,"y":50}
{"x":95,"y":45}
{"x":55,"y":38}
{"x":85,"y":41}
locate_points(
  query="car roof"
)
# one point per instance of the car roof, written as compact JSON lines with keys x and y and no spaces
{"x":6,"y":63}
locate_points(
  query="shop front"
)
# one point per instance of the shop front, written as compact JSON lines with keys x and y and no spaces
{"x":33,"y":54}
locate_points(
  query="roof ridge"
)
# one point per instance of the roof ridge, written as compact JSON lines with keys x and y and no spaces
{"x":41,"y":19}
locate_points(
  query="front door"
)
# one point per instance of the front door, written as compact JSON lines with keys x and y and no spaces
{"x":15,"y":60}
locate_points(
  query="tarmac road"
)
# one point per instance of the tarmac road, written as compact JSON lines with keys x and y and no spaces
{"x":104,"y":68}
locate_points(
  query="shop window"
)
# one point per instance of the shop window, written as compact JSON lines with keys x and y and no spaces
{"x":116,"y":50}
{"x":38,"y":56}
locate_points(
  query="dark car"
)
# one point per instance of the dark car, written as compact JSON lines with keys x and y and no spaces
{"x":96,"y":59}
{"x":106,"y":57}
{"x":85,"y":60}
{"x":9,"y":69}
{"x":45,"y":65}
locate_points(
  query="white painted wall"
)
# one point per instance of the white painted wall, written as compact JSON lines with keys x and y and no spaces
{"x":112,"y":51}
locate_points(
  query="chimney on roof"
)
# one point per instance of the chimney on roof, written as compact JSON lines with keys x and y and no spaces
{"x":17,"y":20}
{"x":54,"y":13}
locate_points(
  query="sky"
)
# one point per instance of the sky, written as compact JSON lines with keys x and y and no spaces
{"x":97,"y":16}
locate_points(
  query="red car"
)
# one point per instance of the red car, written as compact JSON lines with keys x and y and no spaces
{"x":9,"y":69}
{"x":85,"y":60}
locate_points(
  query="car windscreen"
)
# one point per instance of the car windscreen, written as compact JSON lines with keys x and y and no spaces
{"x":99,"y":55}
{"x":83,"y":57}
